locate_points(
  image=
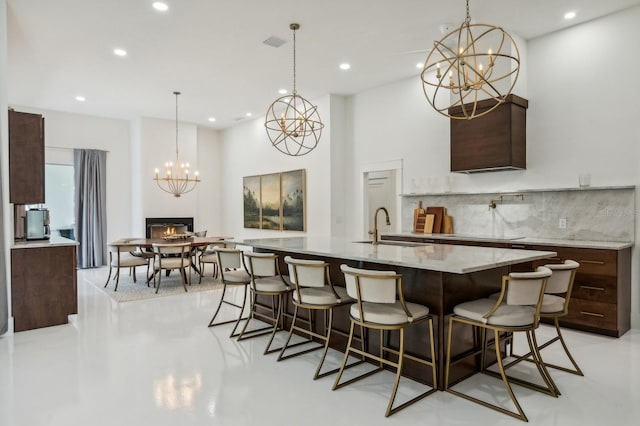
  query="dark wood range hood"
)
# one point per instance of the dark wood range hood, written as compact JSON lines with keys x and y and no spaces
{"x":495,"y":141}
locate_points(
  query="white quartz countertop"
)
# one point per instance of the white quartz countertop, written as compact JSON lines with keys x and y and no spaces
{"x":607,"y":245}
{"x":435,"y":257}
{"x":54,"y":241}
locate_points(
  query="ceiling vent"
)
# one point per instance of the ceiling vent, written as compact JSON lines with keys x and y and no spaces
{"x":274,"y":41}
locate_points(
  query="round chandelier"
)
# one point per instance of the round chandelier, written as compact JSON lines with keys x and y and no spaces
{"x":473,"y":63}
{"x":292,"y":122}
{"x":176,"y":179}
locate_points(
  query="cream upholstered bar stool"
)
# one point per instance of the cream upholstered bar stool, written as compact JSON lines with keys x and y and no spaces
{"x":380,"y":305}
{"x":314,"y":292}
{"x":169,"y":257}
{"x":233,"y":273}
{"x":555,"y":305}
{"x":517,"y":309}
{"x":266,"y":280}
{"x":120,"y":257}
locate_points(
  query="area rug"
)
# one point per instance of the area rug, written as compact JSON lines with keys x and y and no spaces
{"x":129,"y":291}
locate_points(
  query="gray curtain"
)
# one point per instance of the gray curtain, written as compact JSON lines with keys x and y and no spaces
{"x":90,"y":172}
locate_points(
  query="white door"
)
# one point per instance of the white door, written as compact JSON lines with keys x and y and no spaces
{"x":380,"y":189}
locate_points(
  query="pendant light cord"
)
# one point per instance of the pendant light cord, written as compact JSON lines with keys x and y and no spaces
{"x":467,"y":20}
{"x":176,"y":93}
{"x":294,"y":27}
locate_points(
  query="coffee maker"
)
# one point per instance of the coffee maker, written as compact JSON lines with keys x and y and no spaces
{"x":37,"y":224}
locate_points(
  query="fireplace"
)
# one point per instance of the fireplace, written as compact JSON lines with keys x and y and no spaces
{"x":156,"y":227}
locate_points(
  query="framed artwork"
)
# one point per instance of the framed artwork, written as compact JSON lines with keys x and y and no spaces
{"x":270,"y":212}
{"x":275,"y":201}
{"x":293,"y":200}
{"x":251,"y":199}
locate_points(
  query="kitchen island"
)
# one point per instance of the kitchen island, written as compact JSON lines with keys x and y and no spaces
{"x":437,"y":275}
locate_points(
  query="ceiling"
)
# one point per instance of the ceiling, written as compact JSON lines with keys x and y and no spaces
{"x":212,"y":50}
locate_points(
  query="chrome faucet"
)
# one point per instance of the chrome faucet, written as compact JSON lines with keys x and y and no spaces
{"x":375,"y":224}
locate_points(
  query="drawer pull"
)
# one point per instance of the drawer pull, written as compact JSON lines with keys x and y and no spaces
{"x":593,"y":262}
{"x":517,"y":246}
{"x":588,"y":287}
{"x":591,"y":314}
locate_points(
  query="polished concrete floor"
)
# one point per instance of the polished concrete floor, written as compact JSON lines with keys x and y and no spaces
{"x":155,"y":362}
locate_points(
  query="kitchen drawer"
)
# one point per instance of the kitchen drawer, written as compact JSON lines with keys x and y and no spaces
{"x":596,"y":288}
{"x":592,"y":261}
{"x":597,"y":262}
{"x":592,"y":314}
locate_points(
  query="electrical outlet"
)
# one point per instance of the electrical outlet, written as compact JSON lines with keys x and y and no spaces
{"x":562,"y":223}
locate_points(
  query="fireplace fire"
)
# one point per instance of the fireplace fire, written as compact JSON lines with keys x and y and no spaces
{"x":161,"y":227}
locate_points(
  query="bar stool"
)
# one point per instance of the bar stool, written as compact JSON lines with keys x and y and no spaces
{"x":233,"y":273}
{"x":555,"y":305}
{"x":380,"y":305}
{"x":266,"y":280}
{"x":517,"y":309}
{"x":314,"y":292}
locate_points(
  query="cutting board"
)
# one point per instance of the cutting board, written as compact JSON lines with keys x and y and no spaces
{"x":447,"y":225}
{"x":418,"y":218}
{"x":438,"y":214}
{"x":428,"y":223}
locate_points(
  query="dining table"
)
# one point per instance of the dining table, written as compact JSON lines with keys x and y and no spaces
{"x":146,"y":244}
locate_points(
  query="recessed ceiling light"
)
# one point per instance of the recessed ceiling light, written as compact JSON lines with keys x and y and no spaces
{"x":248,"y":114}
{"x":282,"y":91}
{"x":345,"y":66}
{"x":212,"y":119}
{"x":569,"y":15}
{"x":419,"y":65}
{"x":120,"y":52}
{"x":160,"y":6}
{"x":80,"y":98}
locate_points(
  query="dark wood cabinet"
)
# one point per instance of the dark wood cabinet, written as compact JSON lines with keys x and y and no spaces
{"x":26,"y":158}
{"x":601,"y":297}
{"x":495,"y":141}
{"x":43,"y":286}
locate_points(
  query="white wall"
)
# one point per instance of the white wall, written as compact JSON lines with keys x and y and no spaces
{"x":247,"y":151}
{"x":209,"y":211}
{"x":68,"y":131}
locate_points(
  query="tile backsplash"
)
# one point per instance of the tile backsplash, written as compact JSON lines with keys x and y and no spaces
{"x":596,"y":214}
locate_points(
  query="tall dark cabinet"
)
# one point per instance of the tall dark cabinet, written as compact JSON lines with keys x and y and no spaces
{"x":26,"y":158}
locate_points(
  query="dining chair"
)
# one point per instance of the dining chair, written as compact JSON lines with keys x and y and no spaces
{"x":207,"y":255}
{"x":170,"y":257}
{"x":380,"y":306}
{"x":120,"y":257}
{"x":517,"y":309}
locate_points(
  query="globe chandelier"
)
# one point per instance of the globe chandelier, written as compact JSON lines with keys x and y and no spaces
{"x":293,"y":124}
{"x":471,"y":64}
{"x":176,"y":179}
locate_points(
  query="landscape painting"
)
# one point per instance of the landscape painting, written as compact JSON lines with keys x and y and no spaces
{"x":293,"y":200}
{"x":275,"y":201}
{"x":251,"y":196}
{"x":270,"y":201}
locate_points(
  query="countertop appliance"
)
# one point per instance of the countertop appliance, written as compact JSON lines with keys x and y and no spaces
{"x":37,"y":224}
